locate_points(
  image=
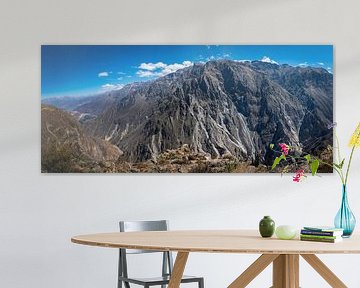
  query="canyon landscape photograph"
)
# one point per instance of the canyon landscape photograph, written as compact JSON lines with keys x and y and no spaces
{"x":184,"y":108}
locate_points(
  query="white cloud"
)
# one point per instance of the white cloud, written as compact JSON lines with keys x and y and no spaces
{"x":187,"y":63}
{"x":160,"y":69}
{"x":152,"y":66}
{"x":305,"y":64}
{"x":109,"y":87}
{"x":217,"y":57}
{"x":321,"y":63}
{"x":242,"y":60}
{"x":145,"y":73}
{"x":120,"y":78}
{"x":103,"y":74}
{"x":121,"y":73}
{"x":268,"y":60}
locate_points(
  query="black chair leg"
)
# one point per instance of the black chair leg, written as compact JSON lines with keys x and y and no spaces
{"x":126,"y":284}
{"x":201,"y":283}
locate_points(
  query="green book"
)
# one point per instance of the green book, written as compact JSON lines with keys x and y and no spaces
{"x":319,"y":236}
{"x":325,"y":240}
{"x":323,"y":228}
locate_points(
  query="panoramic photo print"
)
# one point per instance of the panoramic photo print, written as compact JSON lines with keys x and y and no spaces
{"x":186,"y":108}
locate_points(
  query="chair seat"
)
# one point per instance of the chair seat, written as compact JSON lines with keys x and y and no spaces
{"x":158,"y":280}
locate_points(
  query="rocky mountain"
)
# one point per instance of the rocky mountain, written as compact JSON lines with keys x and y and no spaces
{"x":314,"y":88}
{"x":66,"y":147}
{"x":220,"y":108}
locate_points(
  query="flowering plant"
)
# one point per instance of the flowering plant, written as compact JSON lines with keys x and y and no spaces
{"x":313,"y":162}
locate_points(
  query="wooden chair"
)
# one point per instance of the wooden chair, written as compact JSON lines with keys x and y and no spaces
{"x":167,"y":262}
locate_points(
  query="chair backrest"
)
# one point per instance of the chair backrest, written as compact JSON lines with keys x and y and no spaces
{"x":134,"y":226}
{"x":137,"y":226}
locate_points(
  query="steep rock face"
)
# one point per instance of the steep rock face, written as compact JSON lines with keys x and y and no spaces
{"x":271,"y":112}
{"x":314,"y":89}
{"x":221,"y":107}
{"x":61,"y":134}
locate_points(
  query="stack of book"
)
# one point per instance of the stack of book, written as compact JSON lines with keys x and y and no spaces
{"x":321,"y":234}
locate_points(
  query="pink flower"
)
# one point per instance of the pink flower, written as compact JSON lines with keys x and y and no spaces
{"x":284,"y":148}
{"x":299,"y":176}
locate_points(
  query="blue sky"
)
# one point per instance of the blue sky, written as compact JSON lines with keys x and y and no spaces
{"x":77,"y":70}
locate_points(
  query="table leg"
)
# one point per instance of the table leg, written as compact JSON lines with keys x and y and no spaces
{"x":253,"y":270}
{"x":293,"y":261}
{"x":286,"y":271}
{"x":178,"y":270}
{"x":324,"y":271}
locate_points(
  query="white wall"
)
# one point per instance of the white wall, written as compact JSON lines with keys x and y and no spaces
{"x":39,"y":213}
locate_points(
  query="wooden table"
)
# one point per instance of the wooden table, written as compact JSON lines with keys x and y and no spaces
{"x":284,"y":254}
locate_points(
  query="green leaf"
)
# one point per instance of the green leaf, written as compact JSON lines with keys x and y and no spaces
{"x":307,"y":157}
{"x":342,"y":163}
{"x":271,"y":146}
{"x":314,"y":165}
{"x":277,"y":161}
{"x":339,"y":166}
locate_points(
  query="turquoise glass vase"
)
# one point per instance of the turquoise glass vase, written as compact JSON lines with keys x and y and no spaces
{"x":345,"y":219}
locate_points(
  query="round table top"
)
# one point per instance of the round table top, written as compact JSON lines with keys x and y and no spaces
{"x":216,"y":241}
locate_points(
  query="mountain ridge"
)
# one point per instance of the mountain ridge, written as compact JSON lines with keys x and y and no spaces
{"x":218,"y":107}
